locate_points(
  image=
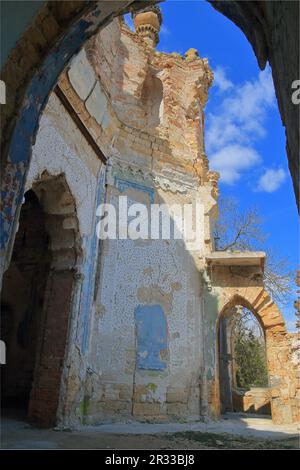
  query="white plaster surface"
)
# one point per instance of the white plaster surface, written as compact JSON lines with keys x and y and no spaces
{"x":148,"y":272}
{"x":60,"y":148}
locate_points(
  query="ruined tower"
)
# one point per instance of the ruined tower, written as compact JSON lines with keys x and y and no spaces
{"x":148,"y":303}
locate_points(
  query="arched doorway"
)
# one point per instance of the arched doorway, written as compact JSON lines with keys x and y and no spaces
{"x":21,"y":315}
{"x":280,"y":375}
{"x":243,"y":371}
{"x":36,"y":321}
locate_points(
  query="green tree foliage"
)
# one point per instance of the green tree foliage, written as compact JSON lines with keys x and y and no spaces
{"x":250,"y":359}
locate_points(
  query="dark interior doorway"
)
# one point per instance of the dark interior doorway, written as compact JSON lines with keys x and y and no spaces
{"x":23,"y":293}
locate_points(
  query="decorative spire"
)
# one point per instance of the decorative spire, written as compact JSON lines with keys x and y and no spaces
{"x":191,"y":54}
{"x":147,"y":24}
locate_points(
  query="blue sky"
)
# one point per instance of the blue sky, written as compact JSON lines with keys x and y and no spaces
{"x":245,"y":140}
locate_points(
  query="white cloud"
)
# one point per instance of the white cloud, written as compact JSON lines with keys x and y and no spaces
{"x":237,"y":124}
{"x":271,"y":180}
{"x":231,"y":160}
{"x":220,"y":79}
{"x":164,"y":31}
{"x":291,"y":326}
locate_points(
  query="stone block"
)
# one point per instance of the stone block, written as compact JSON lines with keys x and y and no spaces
{"x":176,"y":395}
{"x":82,"y":75}
{"x":147,"y":409}
{"x":177,"y":409}
{"x":96,"y":104}
{"x":70,"y":223}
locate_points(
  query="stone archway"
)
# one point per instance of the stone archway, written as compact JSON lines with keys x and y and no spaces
{"x":65,"y":245}
{"x":60,"y":29}
{"x":56,"y":33}
{"x":52,"y":226}
{"x":282,"y":377}
{"x":242,"y":361}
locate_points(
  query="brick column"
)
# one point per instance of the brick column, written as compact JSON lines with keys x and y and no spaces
{"x":45,"y":392}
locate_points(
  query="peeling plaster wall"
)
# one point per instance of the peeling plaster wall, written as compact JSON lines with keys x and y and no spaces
{"x":104,"y":380}
{"x":60,"y":148}
{"x":156,"y":275}
{"x":56,"y":33}
{"x":159,"y":276}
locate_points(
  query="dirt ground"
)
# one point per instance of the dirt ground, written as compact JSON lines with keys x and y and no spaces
{"x":230,"y":433}
{"x":35,"y":439}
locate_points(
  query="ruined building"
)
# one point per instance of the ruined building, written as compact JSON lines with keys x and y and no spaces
{"x":113,"y":329}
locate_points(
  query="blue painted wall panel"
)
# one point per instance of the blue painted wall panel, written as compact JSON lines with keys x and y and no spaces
{"x":89,"y":271}
{"x":151,"y":330}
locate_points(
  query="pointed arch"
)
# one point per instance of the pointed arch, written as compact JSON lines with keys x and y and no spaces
{"x":259,"y":302}
{"x":47,"y":255}
{"x":278,"y":350}
{"x":65,"y":245}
